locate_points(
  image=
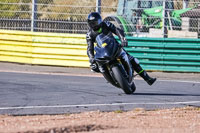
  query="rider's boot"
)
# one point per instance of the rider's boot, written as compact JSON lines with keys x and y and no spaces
{"x":146,"y":77}
{"x":136,"y":66}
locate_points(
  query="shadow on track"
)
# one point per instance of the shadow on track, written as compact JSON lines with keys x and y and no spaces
{"x":165,"y":94}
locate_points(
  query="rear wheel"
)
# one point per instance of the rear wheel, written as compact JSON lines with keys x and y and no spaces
{"x":123,"y":82}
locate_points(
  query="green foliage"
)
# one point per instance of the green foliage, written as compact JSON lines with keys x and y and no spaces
{"x":7,"y":10}
{"x":44,"y":1}
{"x":53,"y":9}
{"x":20,"y":8}
{"x":71,"y":9}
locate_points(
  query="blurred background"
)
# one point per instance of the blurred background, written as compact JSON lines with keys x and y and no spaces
{"x":138,"y":18}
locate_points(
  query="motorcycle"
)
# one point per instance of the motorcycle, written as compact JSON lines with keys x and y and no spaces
{"x":113,"y":63}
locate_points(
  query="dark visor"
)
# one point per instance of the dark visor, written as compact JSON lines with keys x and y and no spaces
{"x":93,"y":24}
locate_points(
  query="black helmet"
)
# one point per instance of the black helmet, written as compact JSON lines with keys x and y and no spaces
{"x":94,"y":20}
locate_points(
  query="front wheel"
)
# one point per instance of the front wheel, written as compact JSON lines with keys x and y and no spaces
{"x":123,"y":82}
{"x":133,"y":87}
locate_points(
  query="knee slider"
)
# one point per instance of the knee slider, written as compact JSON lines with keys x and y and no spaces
{"x":136,"y":61}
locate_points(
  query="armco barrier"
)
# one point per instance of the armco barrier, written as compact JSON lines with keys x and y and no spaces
{"x":162,"y":54}
{"x":182,"y":55}
{"x":43,"y":48}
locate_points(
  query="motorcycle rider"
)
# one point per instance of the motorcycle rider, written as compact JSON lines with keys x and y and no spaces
{"x":97,"y":26}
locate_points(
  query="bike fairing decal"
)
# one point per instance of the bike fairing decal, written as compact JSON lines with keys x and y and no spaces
{"x":104,"y":44}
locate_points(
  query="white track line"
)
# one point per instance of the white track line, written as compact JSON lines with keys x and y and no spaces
{"x":182,"y":81}
{"x":97,"y":105}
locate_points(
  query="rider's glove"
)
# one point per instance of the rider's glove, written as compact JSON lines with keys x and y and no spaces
{"x":124,"y":42}
{"x":94,"y":67}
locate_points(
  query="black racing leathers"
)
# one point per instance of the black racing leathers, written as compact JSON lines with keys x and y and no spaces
{"x":106,"y":28}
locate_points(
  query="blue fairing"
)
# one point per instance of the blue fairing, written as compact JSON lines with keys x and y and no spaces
{"x":106,"y":47}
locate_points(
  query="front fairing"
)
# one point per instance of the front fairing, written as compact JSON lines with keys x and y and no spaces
{"x":106,"y":48}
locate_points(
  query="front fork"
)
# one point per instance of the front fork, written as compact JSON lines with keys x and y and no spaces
{"x":127,"y":65}
{"x":122,"y":60}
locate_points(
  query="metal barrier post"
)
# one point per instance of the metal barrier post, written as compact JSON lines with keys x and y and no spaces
{"x":98,"y":6}
{"x":165,"y":4}
{"x":185,"y":4}
{"x":34,"y":15}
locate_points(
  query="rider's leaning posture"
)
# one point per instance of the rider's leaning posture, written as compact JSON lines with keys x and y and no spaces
{"x":97,"y":26}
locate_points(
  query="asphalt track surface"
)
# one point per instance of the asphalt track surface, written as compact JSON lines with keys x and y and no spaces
{"x":27,"y":92}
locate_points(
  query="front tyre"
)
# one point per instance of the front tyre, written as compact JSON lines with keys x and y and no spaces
{"x":119,"y":77}
{"x":133,"y":87}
